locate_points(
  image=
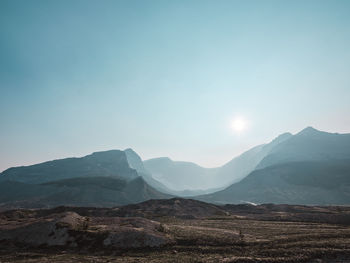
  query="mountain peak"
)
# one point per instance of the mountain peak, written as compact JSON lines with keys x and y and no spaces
{"x":282,"y":137}
{"x":309,"y":130}
{"x":134,"y":160}
{"x":108,"y":152}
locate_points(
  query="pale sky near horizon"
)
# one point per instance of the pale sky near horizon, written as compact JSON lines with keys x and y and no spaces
{"x":168,"y":78}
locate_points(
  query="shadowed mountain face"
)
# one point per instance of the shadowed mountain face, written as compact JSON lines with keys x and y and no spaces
{"x":83,"y":191}
{"x":109,"y":163}
{"x":311,"y":183}
{"x":99,"y":179}
{"x":311,"y":167}
{"x":309,"y":145}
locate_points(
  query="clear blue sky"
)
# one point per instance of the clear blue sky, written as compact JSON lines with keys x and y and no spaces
{"x":166,"y":78}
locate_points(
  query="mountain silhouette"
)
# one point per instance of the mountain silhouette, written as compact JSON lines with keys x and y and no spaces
{"x":186,"y":175}
{"x":309,"y":145}
{"x":241,"y":166}
{"x":136,"y":163}
{"x":178,"y":175}
{"x":108,"y":163}
{"x":78,"y":191}
{"x":311,"y":167}
{"x":100,"y":179}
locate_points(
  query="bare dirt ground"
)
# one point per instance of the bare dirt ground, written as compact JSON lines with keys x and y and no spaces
{"x":236,"y":235}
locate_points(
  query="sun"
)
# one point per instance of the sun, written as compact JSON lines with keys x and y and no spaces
{"x":239,"y":125}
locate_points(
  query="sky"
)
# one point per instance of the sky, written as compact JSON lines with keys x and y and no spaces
{"x":168,"y":78}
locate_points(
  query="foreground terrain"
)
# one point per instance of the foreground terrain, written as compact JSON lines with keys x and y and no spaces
{"x":177,"y":230}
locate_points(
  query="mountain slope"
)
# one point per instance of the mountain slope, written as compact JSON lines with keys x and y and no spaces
{"x":309,"y":145}
{"x":108,"y":163}
{"x":241,"y":166}
{"x":136,"y":163}
{"x":83,"y":191}
{"x":100,"y":179}
{"x":308,"y":182}
{"x":180,"y":176}
{"x":185,"y":175}
{"x":311,"y":167}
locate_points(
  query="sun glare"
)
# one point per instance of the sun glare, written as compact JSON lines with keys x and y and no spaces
{"x":239,"y":125}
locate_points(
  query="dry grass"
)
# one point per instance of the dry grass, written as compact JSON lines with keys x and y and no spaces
{"x":220,"y":240}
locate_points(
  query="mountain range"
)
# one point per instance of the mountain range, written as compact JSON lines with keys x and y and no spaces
{"x":310,"y":167}
{"x":99,"y":179}
{"x":186,"y":175}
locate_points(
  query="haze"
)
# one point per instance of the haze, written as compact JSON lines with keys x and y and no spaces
{"x":168,"y":78}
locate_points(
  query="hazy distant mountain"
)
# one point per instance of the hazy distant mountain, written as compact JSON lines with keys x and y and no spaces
{"x":180,"y":176}
{"x":136,"y":163}
{"x":185,"y":175}
{"x":108,"y":163}
{"x":311,"y":167}
{"x":83,"y":191}
{"x":241,"y":166}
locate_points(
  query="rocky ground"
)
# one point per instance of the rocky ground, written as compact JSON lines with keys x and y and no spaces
{"x":177,"y":230}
